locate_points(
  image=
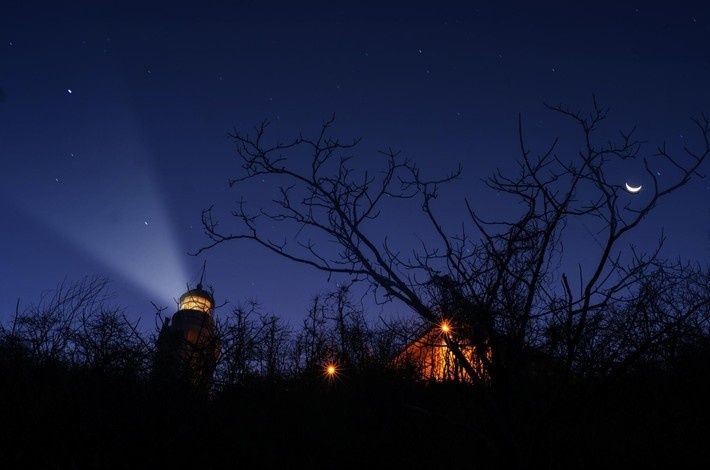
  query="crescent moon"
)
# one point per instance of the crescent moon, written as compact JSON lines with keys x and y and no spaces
{"x":632,"y":189}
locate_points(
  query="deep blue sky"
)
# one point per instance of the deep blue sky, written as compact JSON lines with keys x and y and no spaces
{"x":114,"y":120}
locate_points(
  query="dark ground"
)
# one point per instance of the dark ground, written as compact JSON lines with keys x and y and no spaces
{"x":57,"y":418}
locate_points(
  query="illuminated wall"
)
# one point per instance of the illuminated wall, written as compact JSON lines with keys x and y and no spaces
{"x":431,"y":358}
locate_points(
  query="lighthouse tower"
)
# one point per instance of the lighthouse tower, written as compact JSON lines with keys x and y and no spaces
{"x":187,"y":349}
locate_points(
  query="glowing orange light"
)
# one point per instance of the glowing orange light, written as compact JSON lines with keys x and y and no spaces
{"x":445,"y":327}
{"x":331,"y":370}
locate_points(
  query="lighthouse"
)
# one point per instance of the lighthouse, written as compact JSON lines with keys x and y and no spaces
{"x":187,"y":347}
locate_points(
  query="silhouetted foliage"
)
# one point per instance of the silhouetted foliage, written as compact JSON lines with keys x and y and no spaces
{"x":81,"y":411}
{"x":509,"y":285}
{"x":75,"y":324}
{"x":253,"y":345}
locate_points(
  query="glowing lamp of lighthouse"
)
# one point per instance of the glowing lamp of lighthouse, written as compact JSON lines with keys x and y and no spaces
{"x":194,"y":316}
{"x":197,"y":300}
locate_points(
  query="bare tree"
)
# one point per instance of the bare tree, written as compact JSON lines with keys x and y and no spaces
{"x":351,"y":335}
{"x":47,"y":327}
{"x":312,"y":348}
{"x":275,"y":344}
{"x":104,"y":340}
{"x":252,"y":344}
{"x":508,"y":285}
{"x":77,"y":325}
{"x":237,"y":333}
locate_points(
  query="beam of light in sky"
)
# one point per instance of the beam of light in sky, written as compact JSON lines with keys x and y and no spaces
{"x":114,"y":212}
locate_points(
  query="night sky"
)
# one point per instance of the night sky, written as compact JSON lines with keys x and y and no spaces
{"x":114,"y":122}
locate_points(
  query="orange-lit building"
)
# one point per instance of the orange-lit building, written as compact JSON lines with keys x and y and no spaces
{"x":430,"y":357}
